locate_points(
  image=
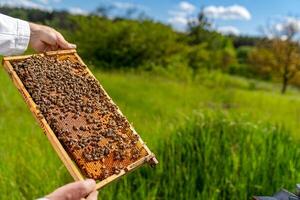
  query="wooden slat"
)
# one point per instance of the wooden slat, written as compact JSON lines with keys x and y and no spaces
{"x":9,"y":58}
{"x":59,"y":52}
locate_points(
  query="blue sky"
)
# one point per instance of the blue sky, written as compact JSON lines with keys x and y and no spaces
{"x":237,"y":16}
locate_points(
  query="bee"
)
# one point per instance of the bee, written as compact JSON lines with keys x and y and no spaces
{"x":116,"y":170}
{"x":105,"y":173}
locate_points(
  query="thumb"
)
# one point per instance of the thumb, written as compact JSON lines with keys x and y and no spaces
{"x":93,"y":196}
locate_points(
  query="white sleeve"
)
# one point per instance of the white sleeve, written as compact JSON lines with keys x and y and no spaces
{"x":14,"y":35}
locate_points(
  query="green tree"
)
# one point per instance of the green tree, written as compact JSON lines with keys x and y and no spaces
{"x":281,"y":53}
{"x":209,"y":48}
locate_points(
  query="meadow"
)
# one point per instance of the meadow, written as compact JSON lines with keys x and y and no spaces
{"x":217,"y":137}
{"x":197,"y":99}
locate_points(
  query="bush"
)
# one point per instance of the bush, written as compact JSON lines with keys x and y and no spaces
{"x":216,"y":54}
{"x":124,"y":43}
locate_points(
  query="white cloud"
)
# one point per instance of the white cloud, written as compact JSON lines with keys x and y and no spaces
{"x":283,"y":27}
{"x":77,"y":11}
{"x":228,"y":30}
{"x":288,"y":23}
{"x":23,"y":4}
{"x":126,"y":5}
{"x":227,"y":13}
{"x":180,"y":17}
{"x":187,"y":7}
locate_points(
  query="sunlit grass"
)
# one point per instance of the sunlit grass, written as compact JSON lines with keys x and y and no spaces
{"x":155,"y":104}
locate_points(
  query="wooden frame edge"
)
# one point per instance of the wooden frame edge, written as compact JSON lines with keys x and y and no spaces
{"x":139,"y":163}
{"x":48,"y":53}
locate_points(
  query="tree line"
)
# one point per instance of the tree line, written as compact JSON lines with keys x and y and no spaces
{"x":144,"y":44}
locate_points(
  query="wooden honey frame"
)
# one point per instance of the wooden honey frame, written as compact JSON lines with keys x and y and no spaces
{"x":63,"y":155}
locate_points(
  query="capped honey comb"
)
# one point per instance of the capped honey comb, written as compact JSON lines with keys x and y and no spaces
{"x":85,"y":127}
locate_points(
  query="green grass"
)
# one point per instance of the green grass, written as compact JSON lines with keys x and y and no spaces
{"x":157,"y":106}
{"x":216,"y":157}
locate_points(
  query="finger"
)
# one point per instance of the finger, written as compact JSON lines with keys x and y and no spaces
{"x":63,"y":43}
{"x":40,"y":46}
{"x":93,"y":196}
{"x":49,"y":37}
{"x":54,"y":47}
{"x":45,"y":48}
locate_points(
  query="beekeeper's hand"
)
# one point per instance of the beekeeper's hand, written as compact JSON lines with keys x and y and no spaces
{"x":75,"y":191}
{"x":44,"y":38}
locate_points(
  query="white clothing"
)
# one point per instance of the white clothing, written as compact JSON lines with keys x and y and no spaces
{"x":14,"y":35}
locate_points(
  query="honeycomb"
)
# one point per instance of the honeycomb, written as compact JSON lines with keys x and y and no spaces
{"x":87,"y":123}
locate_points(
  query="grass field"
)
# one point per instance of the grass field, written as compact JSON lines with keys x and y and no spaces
{"x":256,"y":155}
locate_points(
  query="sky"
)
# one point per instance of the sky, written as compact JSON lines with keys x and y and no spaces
{"x":240,"y":17}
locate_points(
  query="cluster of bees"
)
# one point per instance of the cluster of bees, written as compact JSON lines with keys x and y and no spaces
{"x":79,"y":112}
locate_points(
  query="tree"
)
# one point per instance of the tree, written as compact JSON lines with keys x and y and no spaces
{"x":287,"y":57}
{"x":208,"y":48}
{"x":280,"y":53}
{"x":199,"y":29}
